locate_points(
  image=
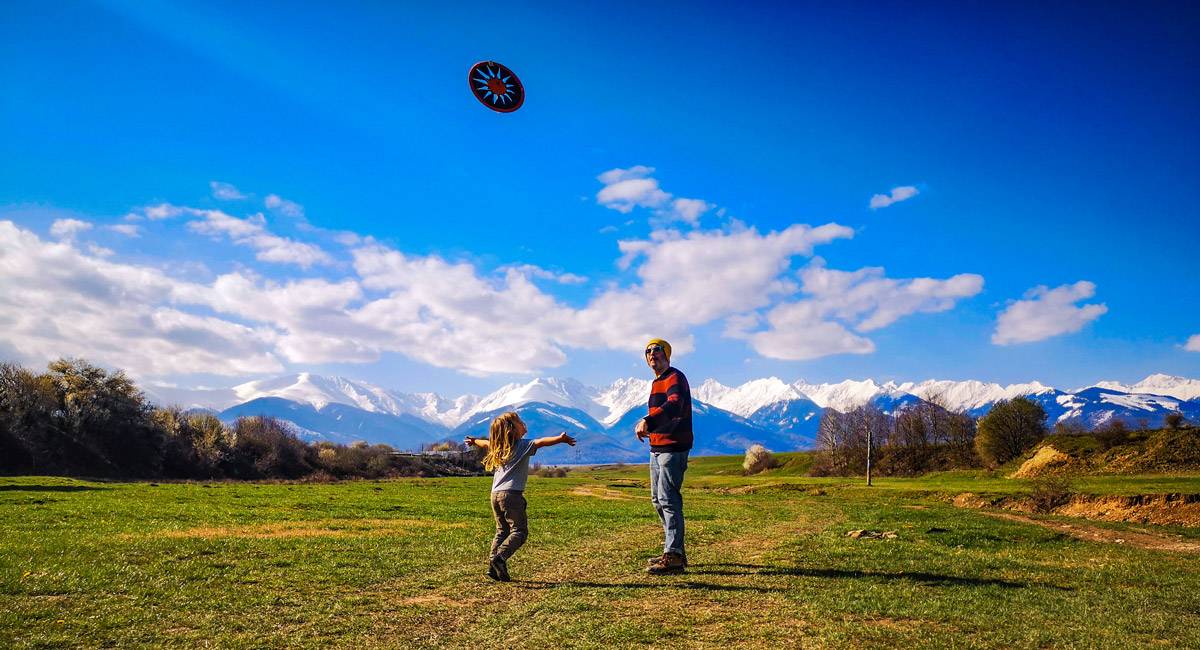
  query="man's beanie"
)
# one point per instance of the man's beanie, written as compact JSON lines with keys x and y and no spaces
{"x":666,"y":346}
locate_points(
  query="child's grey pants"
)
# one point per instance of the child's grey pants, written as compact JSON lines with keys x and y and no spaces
{"x":512,"y":527}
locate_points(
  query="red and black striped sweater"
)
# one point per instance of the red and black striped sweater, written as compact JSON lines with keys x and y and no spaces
{"x":670,"y":418}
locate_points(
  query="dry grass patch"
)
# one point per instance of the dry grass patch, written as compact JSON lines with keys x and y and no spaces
{"x":307,"y":528}
{"x":1096,"y":534}
{"x":600,"y":492}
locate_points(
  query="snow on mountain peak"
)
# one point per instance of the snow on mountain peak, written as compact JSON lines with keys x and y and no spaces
{"x":747,"y":398}
{"x":553,"y":390}
{"x":622,"y":395}
{"x":844,"y":396}
{"x":970,"y":394}
{"x":1158,"y":384}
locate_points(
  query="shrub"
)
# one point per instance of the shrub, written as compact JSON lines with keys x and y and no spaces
{"x":758,"y":458}
{"x":1174,"y":420}
{"x":265,"y":447}
{"x":550,"y":472}
{"x":1113,"y":434}
{"x":1008,"y":430}
{"x":1049,"y":492}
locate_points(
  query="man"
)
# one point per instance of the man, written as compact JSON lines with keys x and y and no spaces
{"x":669,"y":428}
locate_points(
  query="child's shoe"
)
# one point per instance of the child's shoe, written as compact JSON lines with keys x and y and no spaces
{"x":671,"y":563}
{"x":498,"y":569}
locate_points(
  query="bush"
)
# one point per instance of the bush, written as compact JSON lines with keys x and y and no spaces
{"x":1113,"y":434}
{"x":265,"y":447}
{"x":758,"y":458}
{"x":1049,"y":492}
{"x":547,"y":471}
{"x":1174,"y":420}
{"x":1010,"y":429}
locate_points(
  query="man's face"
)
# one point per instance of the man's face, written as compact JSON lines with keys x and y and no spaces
{"x":656,"y":358}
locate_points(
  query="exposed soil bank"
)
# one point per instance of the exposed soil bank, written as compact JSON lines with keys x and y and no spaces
{"x":1157,"y":509}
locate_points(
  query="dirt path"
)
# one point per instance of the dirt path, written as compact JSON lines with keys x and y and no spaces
{"x":1096,"y":534}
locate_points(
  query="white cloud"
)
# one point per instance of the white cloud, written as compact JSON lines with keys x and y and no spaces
{"x":68,"y":228}
{"x":1046,"y":312}
{"x":284,"y":206}
{"x":1193,"y":343}
{"x":441,"y":312}
{"x":842,"y":305}
{"x":225,"y":191}
{"x":127,"y":229}
{"x":533,"y":271}
{"x":872,"y":301}
{"x":688,"y":280}
{"x":625,"y":189}
{"x":798,"y":332}
{"x":689,"y":210}
{"x":60,"y":301}
{"x":608,"y":229}
{"x":252,"y":232}
{"x":897,"y":195}
{"x":100,"y":251}
{"x":161,"y":211}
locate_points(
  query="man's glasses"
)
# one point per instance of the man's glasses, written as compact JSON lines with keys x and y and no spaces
{"x":653,"y":348}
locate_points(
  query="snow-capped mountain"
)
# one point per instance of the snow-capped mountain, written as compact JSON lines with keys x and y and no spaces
{"x":552,"y":390}
{"x":970,"y":395}
{"x":621,"y":396}
{"x":1157,"y":384}
{"x":1097,"y":406}
{"x":769,"y":411}
{"x":747,"y":398}
{"x":849,"y":395}
{"x":319,"y":392}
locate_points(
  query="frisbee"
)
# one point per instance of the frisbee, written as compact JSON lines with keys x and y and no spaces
{"x":496,"y":87}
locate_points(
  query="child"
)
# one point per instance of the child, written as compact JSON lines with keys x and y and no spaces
{"x":508,"y":456}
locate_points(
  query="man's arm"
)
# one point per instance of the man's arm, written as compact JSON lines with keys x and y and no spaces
{"x":553,"y":440}
{"x":482,"y":443}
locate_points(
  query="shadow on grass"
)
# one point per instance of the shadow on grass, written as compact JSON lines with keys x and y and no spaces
{"x":933,"y":579}
{"x":48,"y":488}
{"x":665,"y":584}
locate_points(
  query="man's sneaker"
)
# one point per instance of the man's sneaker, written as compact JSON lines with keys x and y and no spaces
{"x":658,"y":559}
{"x":498,"y":569}
{"x":669,"y":564}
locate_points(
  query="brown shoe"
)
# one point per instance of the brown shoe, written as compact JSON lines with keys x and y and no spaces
{"x":671,"y":563}
{"x":658,"y":559}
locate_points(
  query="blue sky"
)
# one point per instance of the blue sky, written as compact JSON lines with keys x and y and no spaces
{"x":422,"y":242}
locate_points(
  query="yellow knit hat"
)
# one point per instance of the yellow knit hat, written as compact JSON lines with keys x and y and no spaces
{"x":666,"y":346}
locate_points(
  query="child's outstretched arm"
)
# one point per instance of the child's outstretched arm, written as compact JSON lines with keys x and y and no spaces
{"x":482,"y":443}
{"x":554,"y":440}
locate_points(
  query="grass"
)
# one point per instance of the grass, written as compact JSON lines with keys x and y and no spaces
{"x":400,"y":563}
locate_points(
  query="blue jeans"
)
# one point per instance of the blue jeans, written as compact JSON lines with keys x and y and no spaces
{"x":666,"y":479}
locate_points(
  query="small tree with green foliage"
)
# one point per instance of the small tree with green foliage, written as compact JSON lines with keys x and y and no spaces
{"x":1008,"y":430}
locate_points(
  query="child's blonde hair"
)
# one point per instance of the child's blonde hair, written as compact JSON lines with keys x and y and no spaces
{"x":505,"y":431}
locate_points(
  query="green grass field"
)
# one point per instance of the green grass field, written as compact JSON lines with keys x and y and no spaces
{"x":400,"y":563}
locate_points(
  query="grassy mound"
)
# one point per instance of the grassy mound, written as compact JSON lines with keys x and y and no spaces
{"x":1141,"y":452}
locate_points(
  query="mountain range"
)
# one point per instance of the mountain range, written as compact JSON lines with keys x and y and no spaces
{"x":781,"y":416}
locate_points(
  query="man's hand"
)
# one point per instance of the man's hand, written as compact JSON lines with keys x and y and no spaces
{"x":640,"y":431}
{"x":563,"y":437}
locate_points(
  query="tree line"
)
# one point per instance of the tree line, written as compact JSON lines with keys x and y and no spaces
{"x":925,"y":437}
{"x":929,"y":437}
{"x":77,"y":419}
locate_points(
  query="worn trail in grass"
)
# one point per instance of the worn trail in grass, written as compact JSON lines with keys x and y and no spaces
{"x":400,"y":563}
